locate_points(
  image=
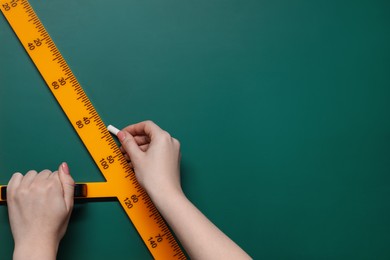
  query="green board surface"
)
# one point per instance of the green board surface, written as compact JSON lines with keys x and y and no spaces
{"x":282,"y":109}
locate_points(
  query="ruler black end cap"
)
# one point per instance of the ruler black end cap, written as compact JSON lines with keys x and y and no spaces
{"x":80,"y":190}
{"x":3,"y":193}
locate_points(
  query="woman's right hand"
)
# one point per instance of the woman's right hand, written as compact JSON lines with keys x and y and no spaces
{"x":155,"y":157}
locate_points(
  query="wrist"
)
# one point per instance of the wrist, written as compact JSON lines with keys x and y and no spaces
{"x":163,"y":195}
{"x":43,"y":249}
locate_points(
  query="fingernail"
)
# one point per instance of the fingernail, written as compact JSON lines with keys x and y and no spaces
{"x":121,"y":136}
{"x":65,"y":168}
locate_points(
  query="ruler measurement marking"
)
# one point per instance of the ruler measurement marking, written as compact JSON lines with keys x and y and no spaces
{"x":112,"y":142}
{"x":77,"y":88}
{"x":104,"y":136}
{"x":89,"y":109}
{"x":123,"y":162}
{"x":33,"y":19}
{"x":53,"y":49}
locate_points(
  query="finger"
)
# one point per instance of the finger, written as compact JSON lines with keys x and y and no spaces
{"x":67,"y":185}
{"x":15,"y":180}
{"x":144,"y":147}
{"x":130,"y":145}
{"x":124,"y":153}
{"x":28,"y":178}
{"x":14,"y":183}
{"x":131,"y":165}
{"x":44,"y":174}
{"x":54,"y":175}
{"x":142,"y":139}
{"x":147,"y":128}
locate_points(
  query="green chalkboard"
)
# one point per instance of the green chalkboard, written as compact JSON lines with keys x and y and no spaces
{"x":282,"y":109}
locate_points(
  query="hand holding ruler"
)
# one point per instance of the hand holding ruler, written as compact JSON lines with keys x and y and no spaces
{"x":121,"y":180}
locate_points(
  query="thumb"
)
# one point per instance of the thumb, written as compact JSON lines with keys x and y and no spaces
{"x":67,"y":185}
{"x":130,"y":145}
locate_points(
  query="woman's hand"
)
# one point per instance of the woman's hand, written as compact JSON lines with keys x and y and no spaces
{"x":39,"y":206}
{"x":155,"y":157}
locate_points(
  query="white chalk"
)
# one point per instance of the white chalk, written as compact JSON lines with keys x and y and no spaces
{"x":112,"y":129}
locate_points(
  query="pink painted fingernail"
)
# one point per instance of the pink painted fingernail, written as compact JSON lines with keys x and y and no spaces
{"x":121,"y":136}
{"x":65,"y":168}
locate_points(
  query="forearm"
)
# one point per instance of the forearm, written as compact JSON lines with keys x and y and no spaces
{"x":198,"y":235}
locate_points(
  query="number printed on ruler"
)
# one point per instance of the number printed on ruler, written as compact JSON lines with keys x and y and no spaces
{"x":121,"y":180}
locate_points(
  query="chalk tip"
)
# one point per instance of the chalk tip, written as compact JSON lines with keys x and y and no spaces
{"x":113,"y":130}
